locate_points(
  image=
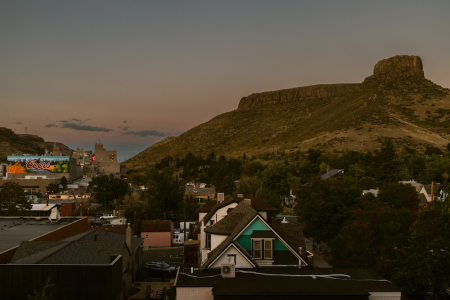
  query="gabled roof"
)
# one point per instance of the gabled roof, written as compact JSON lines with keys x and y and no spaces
{"x":436,"y":187}
{"x":207,"y":206}
{"x":156,"y":226}
{"x":226,"y":225}
{"x":257,"y":203}
{"x":246,"y":214}
{"x":241,"y":216}
{"x":331,"y":173}
{"x":292,"y":233}
{"x":417,"y":185}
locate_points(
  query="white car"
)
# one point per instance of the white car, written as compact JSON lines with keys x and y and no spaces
{"x":107,"y":216}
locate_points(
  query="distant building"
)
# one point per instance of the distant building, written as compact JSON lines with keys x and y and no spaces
{"x":157,"y":233}
{"x":105,"y":161}
{"x":337,"y":173}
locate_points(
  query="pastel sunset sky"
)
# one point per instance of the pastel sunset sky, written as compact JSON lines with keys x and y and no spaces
{"x":130,"y":73}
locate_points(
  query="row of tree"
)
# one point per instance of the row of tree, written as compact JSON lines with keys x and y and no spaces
{"x":389,"y":233}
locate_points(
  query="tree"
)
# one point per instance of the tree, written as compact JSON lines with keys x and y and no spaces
{"x":52,"y":188}
{"x":12,"y":198}
{"x":164,"y":193}
{"x":133,"y":205}
{"x":107,"y":188}
{"x":397,"y":195}
{"x":424,"y":266}
{"x":277,"y":181}
{"x":388,"y":166}
{"x":370,"y":239}
{"x":45,"y":293}
{"x":250,"y":186}
{"x":325,"y":206}
{"x":64,"y":182}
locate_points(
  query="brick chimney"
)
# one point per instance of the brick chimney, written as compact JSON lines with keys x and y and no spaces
{"x":248,"y":201}
{"x":128,"y":238}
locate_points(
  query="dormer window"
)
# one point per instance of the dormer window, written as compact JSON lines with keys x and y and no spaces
{"x":262,"y":244}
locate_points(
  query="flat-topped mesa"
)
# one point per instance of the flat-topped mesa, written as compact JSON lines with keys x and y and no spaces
{"x":296,"y":94}
{"x":400,"y":65}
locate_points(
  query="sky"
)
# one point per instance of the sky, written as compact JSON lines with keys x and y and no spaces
{"x":130,"y":73}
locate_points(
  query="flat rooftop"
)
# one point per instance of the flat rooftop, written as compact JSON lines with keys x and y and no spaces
{"x":15,"y":230}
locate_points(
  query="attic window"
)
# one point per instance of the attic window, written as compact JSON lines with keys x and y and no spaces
{"x":262,"y":248}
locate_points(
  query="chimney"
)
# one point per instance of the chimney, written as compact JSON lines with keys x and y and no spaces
{"x":240,"y":195}
{"x":128,"y":238}
{"x":47,"y":202}
{"x":248,"y":201}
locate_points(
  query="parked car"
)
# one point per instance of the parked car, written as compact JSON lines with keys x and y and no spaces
{"x":160,"y":269}
{"x":107,"y":216}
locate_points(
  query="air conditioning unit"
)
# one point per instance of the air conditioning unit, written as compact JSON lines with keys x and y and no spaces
{"x":228,"y":270}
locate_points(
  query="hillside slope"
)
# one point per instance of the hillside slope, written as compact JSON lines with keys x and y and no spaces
{"x":11,"y":143}
{"x":397,"y":101}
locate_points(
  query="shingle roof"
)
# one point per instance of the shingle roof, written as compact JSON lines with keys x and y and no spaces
{"x":436,"y":187}
{"x":207,"y":206}
{"x":257,"y":203}
{"x":238,"y":218}
{"x":92,"y":247}
{"x":246,"y":214}
{"x":331,"y":173}
{"x":292,"y":233}
{"x":226,"y":225}
{"x":156,"y":226}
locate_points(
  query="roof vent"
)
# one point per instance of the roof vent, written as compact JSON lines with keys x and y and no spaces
{"x":220,"y":197}
{"x":240,"y":195}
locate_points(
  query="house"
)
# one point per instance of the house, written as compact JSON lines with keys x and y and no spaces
{"x":214,"y":211}
{"x":250,"y":258}
{"x":428,"y":192}
{"x":246,"y":238}
{"x":110,"y":260}
{"x":374,"y":192}
{"x":337,"y":173}
{"x":157,"y":233}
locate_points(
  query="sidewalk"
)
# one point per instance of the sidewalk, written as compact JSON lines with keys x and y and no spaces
{"x":318,"y":259}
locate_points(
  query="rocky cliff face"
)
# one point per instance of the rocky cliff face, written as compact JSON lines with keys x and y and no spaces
{"x":390,"y":68}
{"x":296,"y":94}
{"x":400,"y":65}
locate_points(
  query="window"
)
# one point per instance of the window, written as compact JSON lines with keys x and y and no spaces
{"x":232,"y":258}
{"x":257,"y":249}
{"x":268,"y":249}
{"x":262,"y":248}
{"x":208,"y":241}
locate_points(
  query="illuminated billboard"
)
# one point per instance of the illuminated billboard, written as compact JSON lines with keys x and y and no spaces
{"x":38,"y":164}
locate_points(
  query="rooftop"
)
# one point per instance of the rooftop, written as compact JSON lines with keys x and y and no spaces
{"x":289,"y":281}
{"x":13,"y":231}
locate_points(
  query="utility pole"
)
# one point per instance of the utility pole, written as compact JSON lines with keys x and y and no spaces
{"x":184,"y":231}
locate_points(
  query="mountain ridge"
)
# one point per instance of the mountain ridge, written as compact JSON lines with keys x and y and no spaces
{"x":396,"y":102}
